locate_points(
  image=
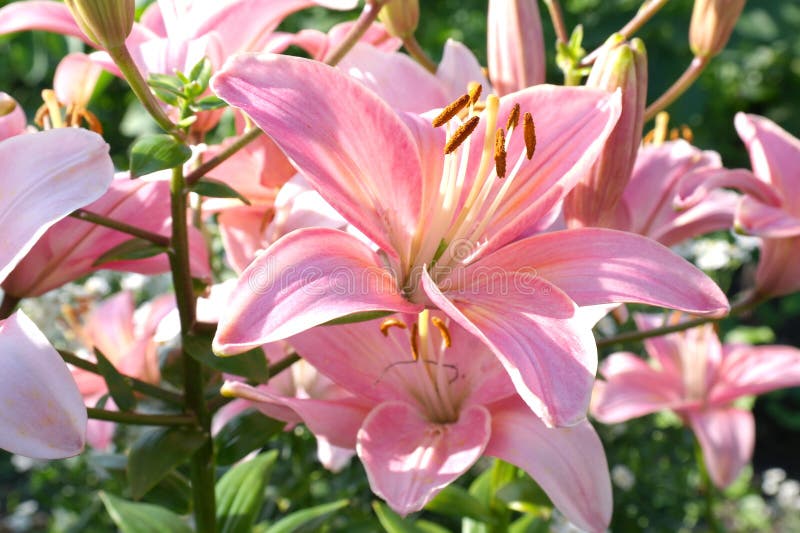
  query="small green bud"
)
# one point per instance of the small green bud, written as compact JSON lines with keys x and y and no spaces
{"x":400,"y":17}
{"x":106,"y":22}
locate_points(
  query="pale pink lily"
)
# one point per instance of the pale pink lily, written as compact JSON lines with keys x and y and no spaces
{"x":445,"y":227}
{"x":318,"y":43}
{"x":75,"y":79}
{"x":699,"y":378}
{"x":12,"y":117}
{"x":70,"y":248}
{"x":775,"y":157}
{"x":417,"y":425}
{"x":126,"y":336}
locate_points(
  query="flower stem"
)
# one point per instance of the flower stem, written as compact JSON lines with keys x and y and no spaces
{"x":88,"y":216}
{"x":201,"y":466}
{"x":127,"y":66}
{"x":707,"y":488}
{"x":557,"y":16}
{"x":690,"y":75}
{"x":140,"y":419}
{"x":8,"y":305}
{"x":242,"y":141}
{"x":368,"y":15}
{"x":415,"y":50}
{"x":648,"y":9}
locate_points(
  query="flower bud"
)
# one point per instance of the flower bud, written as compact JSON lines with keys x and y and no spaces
{"x":621,"y":66}
{"x":712,"y":24}
{"x":515,"y":45}
{"x":106,"y":22}
{"x":12,"y":118}
{"x":400,"y":17}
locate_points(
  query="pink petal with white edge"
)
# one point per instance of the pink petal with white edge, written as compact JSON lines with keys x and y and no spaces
{"x":352,"y":147}
{"x":763,"y":220}
{"x":307,"y":278}
{"x":568,"y":463}
{"x":595,"y":266}
{"x":43,"y":414}
{"x":409,"y":459}
{"x":727,"y":438}
{"x":45,"y":176}
{"x":632,"y":389}
{"x":751,"y":370}
{"x":535,"y":331}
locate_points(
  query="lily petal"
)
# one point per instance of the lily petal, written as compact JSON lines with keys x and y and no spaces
{"x":409,"y":459}
{"x":43,"y":414}
{"x":307,"y":278}
{"x":777,"y":273}
{"x":764,"y":220}
{"x":727,"y":438}
{"x":751,"y":370}
{"x":458,"y":68}
{"x":568,"y":463}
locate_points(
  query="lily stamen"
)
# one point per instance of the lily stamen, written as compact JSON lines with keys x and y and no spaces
{"x":529,"y":131}
{"x":461,"y":134}
{"x":391,"y":323}
{"x":451,"y":110}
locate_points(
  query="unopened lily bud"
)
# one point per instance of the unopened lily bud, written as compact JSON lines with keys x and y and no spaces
{"x":106,"y":22}
{"x":515,"y":46}
{"x":621,"y":66}
{"x":12,"y":118}
{"x":712,"y":24}
{"x":400,"y":17}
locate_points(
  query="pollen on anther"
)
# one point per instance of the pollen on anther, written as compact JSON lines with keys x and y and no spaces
{"x":529,"y":131}
{"x":500,"y":153}
{"x":513,"y":117}
{"x":451,"y":110}
{"x":461,"y":134}
{"x":391,"y":323}
{"x":442,"y":327}
{"x":474,"y":89}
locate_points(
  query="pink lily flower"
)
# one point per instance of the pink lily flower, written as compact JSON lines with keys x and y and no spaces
{"x":775,"y":156}
{"x":698,"y":378}
{"x":70,"y":248}
{"x":12,"y":117}
{"x":127,"y":339}
{"x":43,"y":414}
{"x":426,"y":405}
{"x":445,"y":226}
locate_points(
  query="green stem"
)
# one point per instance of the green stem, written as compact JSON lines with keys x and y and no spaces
{"x":127,"y":66}
{"x":415,"y":50}
{"x":690,"y":75}
{"x":745,"y":305}
{"x":94,"y":218}
{"x":8,"y":305}
{"x":140,"y":419}
{"x":243,"y":140}
{"x":142,"y":387}
{"x":368,"y":15}
{"x":707,"y":488}
{"x":557,"y":16}
{"x":283,"y":364}
{"x":201,"y":465}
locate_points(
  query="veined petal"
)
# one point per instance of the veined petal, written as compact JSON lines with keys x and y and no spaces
{"x":348,"y":142}
{"x":727,"y":438}
{"x":568,"y":463}
{"x":242,"y":232}
{"x":534,"y":330}
{"x":306,"y":278}
{"x":44,"y":177}
{"x":632,"y":389}
{"x":764,"y":220}
{"x":409,"y":459}
{"x":695,"y":186}
{"x":714,"y":213}
{"x":747,"y":370}
{"x":595,"y":266}
{"x":458,"y":68}
{"x":777,"y":272}
{"x":43,"y":414}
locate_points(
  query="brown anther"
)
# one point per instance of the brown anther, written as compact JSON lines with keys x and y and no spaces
{"x":461,"y":134}
{"x":530,"y":135}
{"x":500,"y":153}
{"x":474,"y":89}
{"x":415,"y":342}
{"x":442,"y":327}
{"x":674,"y":134}
{"x":687,"y":134}
{"x":92,"y":121}
{"x":513,"y":117}
{"x":391,"y":323}
{"x":649,"y":137}
{"x":450,"y":111}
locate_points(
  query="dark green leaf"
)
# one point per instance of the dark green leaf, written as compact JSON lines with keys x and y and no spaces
{"x":132,"y":517}
{"x":157,"y":152}
{"x":158,"y":451}
{"x":131,"y":249}
{"x":246,"y":432}
{"x":293,"y":521}
{"x":217,"y":189}
{"x":173,"y":492}
{"x":119,"y":387}
{"x":357,"y":317}
{"x":251,"y":364}
{"x":240,"y":493}
{"x":456,"y":501}
{"x":208,"y":103}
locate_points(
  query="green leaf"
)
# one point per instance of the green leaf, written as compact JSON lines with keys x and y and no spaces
{"x":165,"y":81}
{"x":530,"y":524}
{"x":456,"y":501}
{"x":201,"y":73}
{"x":251,"y":364}
{"x":132,"y":517}
{"x":393,"y":522}
{"x":208,"y":103}
{"x":240,"y":493}
{"x":524,"y":495}
{"x":131,"y":249}
{"x":158,"y":451}
{"x":173,"y":492}
{"x":244,"y":433}
{"x":362,"y":316}
{"x":152,"y":153}
{"x":293,"y":521}
{"x":186,"y":122}
{"x":119,"y":387}
{"x":217,"y":189}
